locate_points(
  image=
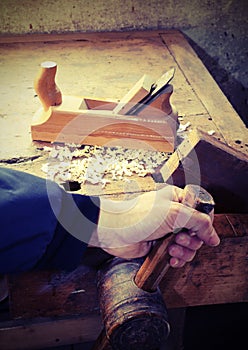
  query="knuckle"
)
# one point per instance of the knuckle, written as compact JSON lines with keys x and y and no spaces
{"x":207,"y":223}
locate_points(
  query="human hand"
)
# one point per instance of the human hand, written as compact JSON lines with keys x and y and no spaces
{"x":128,"y":228}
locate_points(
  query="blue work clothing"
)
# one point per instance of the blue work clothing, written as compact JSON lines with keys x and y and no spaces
{"x":42,"y":225}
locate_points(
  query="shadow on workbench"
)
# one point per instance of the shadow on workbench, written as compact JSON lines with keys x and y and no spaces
{"x":236,"y":93}
{"x":216,"y":327}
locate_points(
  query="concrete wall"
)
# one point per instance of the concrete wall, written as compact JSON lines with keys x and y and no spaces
{"x":218,"y":30}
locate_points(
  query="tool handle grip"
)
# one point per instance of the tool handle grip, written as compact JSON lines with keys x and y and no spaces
{"x":157,"y":263}
{"x":46,"y":87}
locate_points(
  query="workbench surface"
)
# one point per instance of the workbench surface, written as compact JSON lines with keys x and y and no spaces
{"x":106,"y":65}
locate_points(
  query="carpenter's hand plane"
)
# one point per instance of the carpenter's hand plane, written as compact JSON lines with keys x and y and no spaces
{"x":143,"y":118}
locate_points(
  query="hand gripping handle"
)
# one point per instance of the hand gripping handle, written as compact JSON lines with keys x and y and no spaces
{"x":157,"y":263}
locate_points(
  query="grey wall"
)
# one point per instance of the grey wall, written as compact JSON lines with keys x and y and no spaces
{"x":217,"y":29}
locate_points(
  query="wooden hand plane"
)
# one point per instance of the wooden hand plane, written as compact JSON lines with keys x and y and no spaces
{"x":143,"y":118}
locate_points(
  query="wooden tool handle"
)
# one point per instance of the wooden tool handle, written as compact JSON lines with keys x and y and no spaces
{"x":45,"y":86}
{"x":157,"y":263}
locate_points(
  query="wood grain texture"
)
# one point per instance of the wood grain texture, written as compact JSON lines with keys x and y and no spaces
{"x":215,"y":276}
{"x":46,"y":87}
{"x":54,"y":293}
{"x":68,"y":124}
{"x":48,"y":332}
{"x":37,"y":294}
{"x":206,"y":89}
{"x":220,"y":169}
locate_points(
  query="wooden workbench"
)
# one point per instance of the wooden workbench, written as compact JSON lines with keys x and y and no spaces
{"x":106,"y":65}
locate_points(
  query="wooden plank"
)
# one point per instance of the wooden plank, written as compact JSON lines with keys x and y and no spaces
{"x":207,"y":90}
{"x":54,"y":293}
{"x":201,"y":122}
{"x":48,"y":332}
{"x":233,"y":225}
{"x":69,"y":37}
{"x":222,"y":170}
{"x":43,"y":294}
{"x":215,"y":276}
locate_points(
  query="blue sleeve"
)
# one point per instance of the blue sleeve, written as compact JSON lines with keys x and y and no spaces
{"x":42,"y":226}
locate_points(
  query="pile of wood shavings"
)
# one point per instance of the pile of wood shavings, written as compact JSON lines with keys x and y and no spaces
{"x":100,"y":165}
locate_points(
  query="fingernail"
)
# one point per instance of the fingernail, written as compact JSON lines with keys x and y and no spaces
{"x":184,"y":240}
{"x":174,"y":262}
{"x":214,"y":241}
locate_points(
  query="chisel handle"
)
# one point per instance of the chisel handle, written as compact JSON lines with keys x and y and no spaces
{"x":157,"y":263}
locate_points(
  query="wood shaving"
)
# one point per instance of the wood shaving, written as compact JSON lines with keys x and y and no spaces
{"x":183,"y":127}
{"x":99,"y":165}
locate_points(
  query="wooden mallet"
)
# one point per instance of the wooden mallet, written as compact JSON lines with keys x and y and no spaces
{"x":133,"y":311}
